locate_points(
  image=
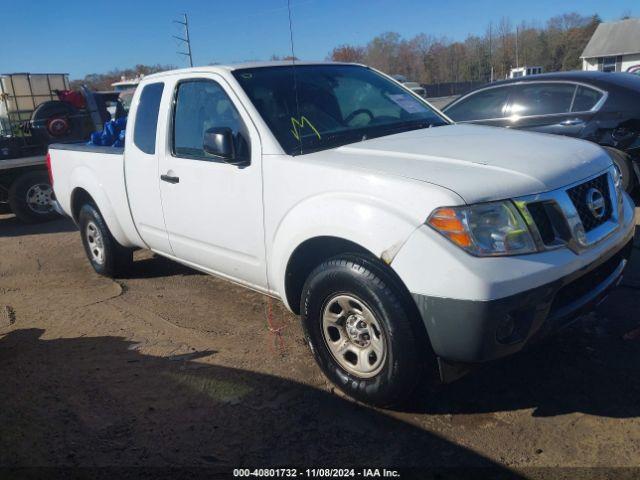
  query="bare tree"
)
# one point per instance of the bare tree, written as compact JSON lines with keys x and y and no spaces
{"x":348,"y":53}
{"x":103,"y":81}
{"x":424,"y":58}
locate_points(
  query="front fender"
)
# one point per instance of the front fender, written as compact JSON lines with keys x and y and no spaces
{"x":373,"y":224}
{"x":84,"y":178}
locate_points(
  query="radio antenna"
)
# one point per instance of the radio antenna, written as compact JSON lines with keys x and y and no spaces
{"x":293,"y":51}
{"x":293,"y":63}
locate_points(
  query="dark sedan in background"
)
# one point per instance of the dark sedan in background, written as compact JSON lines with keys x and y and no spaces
{"x":601,"y":107}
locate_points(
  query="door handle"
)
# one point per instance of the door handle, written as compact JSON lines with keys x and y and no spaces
{"x":169,"y":179}
{"x":572,"y":122}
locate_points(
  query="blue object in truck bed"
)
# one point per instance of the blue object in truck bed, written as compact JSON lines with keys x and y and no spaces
{"x":112,"y":135}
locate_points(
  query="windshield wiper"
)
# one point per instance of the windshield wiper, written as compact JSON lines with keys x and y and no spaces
{"x":330,"y":141}
{"x":406,"y":126}
{"x":338,"y":139}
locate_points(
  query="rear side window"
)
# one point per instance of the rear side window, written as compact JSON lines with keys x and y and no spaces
{"x":542,"y":99}
{"x":586,"y":99}
{"x":144,"y":133}
{"x":483,"y":105}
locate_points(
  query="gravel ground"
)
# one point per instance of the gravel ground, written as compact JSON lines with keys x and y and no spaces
{"x":170,"y":367}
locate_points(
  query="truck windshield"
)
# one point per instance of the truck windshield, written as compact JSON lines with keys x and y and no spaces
{"x":315,"y":107}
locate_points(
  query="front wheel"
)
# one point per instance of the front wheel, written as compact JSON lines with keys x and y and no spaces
{"x":361,"y":332}
{"x":106,"y":255}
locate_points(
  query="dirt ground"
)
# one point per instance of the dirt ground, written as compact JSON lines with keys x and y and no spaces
{"x":170,"y":367}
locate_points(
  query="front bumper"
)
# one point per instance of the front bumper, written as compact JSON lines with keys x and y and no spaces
{"x":480,"y":309}
{"x":468,"y":331}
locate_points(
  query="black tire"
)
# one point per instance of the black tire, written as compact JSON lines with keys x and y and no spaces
{"x":116,"y":259}
{"x":623,"y":162}
{"x":29,"y":198}
{"x":369,"y":282}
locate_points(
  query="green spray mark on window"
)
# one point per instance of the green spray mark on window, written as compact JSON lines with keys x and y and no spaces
{"x":300,"y":124}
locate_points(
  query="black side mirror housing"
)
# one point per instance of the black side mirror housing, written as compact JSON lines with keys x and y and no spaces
{"x":219,"y":142}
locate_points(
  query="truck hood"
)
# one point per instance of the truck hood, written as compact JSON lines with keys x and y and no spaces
{"x":478,"y":163}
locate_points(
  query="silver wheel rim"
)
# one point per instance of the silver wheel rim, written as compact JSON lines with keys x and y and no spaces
{"x":353,"y":335}
{"x":40,"y":198}
{"x":95,"y":243}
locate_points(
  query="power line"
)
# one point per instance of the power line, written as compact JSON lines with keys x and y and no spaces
{"x":186,"y":40}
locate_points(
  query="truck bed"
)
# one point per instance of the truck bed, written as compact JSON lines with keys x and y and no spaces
{"x":31,"y":161}
{"x":85,"y":147}
{"x":99,"y":170}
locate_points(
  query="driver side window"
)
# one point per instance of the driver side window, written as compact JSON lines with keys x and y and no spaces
{"x":199,"y":106}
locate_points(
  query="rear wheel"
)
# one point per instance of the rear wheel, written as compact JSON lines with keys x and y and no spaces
{"x":31,"y":198}
{"x":361,"y":333}
{"x":106,"y":255}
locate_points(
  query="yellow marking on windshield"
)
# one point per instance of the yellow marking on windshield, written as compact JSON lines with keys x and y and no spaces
{"x":300,"y":124}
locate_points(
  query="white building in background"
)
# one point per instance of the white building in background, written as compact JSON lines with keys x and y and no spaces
{"x":524,"y":72}
{"x":614,"y":47}
{"x":127,"y":83}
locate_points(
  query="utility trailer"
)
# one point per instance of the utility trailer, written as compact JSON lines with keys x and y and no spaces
{"x":35,"y":111}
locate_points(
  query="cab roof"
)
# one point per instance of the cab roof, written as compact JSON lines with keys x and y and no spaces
{"x":241,"y":66}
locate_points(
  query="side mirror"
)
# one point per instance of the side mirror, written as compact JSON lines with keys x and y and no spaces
{"x":219,"y":142}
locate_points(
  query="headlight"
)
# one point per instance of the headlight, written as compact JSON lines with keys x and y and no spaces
{"x":616,"y":174}
{"x":617,"y":179}
{"x":486,"y":229}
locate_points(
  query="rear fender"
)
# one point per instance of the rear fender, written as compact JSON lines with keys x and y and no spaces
{"x":84,"y":178}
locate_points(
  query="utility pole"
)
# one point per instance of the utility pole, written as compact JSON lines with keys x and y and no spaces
{"x":185,"y":40}
{"x":491,"y":49}
{"x":517,"y":56}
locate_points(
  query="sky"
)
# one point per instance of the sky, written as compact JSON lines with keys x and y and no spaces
{"x":80,"y":37}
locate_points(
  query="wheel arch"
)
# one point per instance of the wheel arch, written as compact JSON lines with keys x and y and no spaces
{"x":314,"y":251}
{"x":633,"y":166}
{"x":85,"y":192}
{"x":79,"y":198}
{"x":307,"y":256}
{"x":331,"y":224}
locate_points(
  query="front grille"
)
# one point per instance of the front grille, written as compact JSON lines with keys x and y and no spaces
{"x":543,"y":222}
{"x":578,"y":196}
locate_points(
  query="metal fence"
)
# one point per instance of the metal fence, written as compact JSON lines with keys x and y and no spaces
{"x":450,"y":88}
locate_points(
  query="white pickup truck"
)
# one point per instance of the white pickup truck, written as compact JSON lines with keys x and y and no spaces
{"x":407,"y":244}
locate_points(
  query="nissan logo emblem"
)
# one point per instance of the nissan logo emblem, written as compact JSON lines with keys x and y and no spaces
{"x":596,"y":203}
